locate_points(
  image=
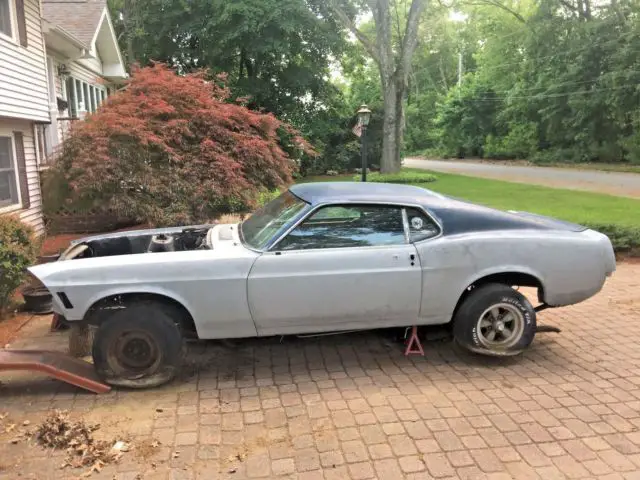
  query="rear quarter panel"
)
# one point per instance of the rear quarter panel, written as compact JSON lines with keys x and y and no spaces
{"x":569,"y":265}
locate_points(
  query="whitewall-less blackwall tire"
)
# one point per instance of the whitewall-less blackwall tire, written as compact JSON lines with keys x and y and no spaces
{"x":496,"y":320}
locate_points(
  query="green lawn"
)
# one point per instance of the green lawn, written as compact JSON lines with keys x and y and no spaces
{"x":571,"y":205}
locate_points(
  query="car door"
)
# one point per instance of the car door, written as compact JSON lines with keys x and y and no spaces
{"x":343,"y":267}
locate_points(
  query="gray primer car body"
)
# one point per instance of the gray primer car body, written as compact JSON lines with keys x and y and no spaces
{"x":231,"y":290}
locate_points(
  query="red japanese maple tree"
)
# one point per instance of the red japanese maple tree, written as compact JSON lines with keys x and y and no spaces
{"x":172,"y":149}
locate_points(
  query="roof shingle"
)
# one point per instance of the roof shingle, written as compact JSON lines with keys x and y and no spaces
{"x":78,"y":17}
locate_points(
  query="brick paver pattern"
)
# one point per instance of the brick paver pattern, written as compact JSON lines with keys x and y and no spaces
{"x":353,"y":407}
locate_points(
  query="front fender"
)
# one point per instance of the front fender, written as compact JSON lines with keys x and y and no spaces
{"x":139,"y":289}
{"x":83,"y":292}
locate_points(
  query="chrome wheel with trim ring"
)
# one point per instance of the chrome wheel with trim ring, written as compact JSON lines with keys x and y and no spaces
{"x":500,"y":326}
{"x":494,"y":319}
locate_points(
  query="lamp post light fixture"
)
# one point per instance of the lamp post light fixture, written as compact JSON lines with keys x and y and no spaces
{"x":364,"y":115}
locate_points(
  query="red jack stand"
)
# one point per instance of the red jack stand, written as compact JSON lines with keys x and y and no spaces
{"x":57,"y":323}
{"x":414,"y":347}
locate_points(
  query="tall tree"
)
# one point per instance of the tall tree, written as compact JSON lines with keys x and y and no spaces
{"x":391,"y":47}
{"x":277,"y":52}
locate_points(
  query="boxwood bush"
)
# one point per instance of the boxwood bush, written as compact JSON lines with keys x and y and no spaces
{"x":18,"y":250}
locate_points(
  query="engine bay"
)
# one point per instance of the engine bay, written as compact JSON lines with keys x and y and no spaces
{"x":187,"y":239}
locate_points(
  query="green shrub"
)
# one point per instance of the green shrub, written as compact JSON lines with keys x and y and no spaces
{"x":520,"y":142}
{"x":625,"y":239}
{"x":265,"y":196}
{"x":401,"y":177}
{"x":18,"y":250}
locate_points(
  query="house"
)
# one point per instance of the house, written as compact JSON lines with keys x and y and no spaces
{"x":59,"y":60}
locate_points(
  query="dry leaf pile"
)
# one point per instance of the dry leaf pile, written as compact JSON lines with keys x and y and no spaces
{"x":58,"y":431}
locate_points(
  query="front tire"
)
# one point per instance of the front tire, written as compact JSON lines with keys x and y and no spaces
{"x":495,"y":320}
{"x":139,"y":346}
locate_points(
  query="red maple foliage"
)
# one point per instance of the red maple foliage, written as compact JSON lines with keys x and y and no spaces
{"x":171,"y":149}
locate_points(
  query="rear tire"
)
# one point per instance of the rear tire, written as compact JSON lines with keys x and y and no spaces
{"x":139,"y":346}
{"x":495,"y":320}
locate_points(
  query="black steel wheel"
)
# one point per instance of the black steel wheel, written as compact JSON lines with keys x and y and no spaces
{"x":139,"y":346}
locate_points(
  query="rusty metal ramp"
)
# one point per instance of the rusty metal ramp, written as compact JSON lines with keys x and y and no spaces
{"x":55,"y":364}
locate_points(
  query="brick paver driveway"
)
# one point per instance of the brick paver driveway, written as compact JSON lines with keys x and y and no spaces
{"x":353,"y":407}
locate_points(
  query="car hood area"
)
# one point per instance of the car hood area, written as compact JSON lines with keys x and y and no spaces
{"x":142,"y":254}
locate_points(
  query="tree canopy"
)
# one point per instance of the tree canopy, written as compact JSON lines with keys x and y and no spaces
{"x":546,"y":80}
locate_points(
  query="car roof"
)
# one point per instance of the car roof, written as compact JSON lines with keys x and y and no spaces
{"x":331,"y":192}
{"x":454,"y":215}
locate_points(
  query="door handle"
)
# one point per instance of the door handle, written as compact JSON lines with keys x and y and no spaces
{"x":412,"y":257}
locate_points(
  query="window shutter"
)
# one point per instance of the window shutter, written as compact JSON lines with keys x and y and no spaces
{"x":22,"y":23}
{"x":21,"y":163}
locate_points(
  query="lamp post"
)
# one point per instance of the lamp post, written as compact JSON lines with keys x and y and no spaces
{"x":364,"y":115}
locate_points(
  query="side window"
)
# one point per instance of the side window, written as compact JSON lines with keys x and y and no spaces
{"x":342,"y":226}
{"x":5,"y":18}
{"x":421,"y":226}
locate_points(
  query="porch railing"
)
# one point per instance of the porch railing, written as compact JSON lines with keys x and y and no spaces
{"x":51,"y":137}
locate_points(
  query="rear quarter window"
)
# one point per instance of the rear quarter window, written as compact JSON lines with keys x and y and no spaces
{"x":421,"y":226}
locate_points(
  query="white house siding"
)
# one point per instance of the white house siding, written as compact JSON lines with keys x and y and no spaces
{"x":81,"y":72}
{"x":23,"y":79}
{"x":92,"y":64}
{"x":33,"y":214}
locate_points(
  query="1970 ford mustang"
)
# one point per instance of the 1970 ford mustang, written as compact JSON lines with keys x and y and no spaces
{"x":323,"y":257}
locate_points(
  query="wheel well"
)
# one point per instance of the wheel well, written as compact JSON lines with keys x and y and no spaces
{"x":98,"y":311}
{"x":511,"y":279}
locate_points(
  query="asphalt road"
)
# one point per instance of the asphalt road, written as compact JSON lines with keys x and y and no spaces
{"x":614,"y":183}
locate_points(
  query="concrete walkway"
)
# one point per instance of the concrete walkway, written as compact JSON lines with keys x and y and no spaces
{"x":614,"y":183}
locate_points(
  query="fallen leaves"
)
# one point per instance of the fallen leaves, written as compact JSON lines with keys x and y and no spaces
{"x":147,"y":448}
{"x":83,"y":450}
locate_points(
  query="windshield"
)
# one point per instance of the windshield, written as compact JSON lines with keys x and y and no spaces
{"x":258,"y":229}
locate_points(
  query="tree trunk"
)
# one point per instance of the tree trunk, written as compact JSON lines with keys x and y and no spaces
{"x":393,"y":124}
{"x":129,"y":30}
{"x":393,"y":68}
{"x":390,"y":127}
{"x":401,"y":90}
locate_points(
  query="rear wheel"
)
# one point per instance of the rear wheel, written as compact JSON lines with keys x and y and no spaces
{"x":495,"y":320}
{"x":139,"y":346}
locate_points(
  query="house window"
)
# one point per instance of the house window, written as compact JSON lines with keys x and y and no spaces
{"x":84,"y":97}
{"x":80,"y":96}
{"x":8,"y":178}
{"x":94,"y":98}
{"x":5,"y":18}
{"x":72,"y":97}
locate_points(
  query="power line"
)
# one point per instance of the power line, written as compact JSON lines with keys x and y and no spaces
{"x":568,"y":52}
{"x":536,"y":58}
{"x":552,"y":95}
{"x":563,"y":84}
